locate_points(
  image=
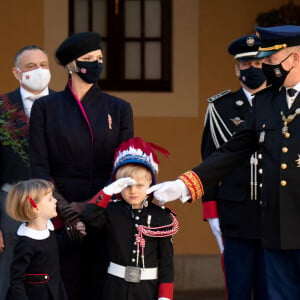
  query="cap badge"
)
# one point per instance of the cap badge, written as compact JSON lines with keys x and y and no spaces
{"x":239,"y":102}
{"x":237,"y":121}
{"x":250,"y":41}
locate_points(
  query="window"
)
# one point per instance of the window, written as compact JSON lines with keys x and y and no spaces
{"x":136,"y":41}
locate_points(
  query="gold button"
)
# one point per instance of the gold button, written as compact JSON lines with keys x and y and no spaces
{"x":287,"y":135}
{"x":283,"y":166}
{"x":285,"y":149}
{"x":283,"y":182}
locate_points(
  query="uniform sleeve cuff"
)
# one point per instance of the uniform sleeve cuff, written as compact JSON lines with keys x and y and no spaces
{"x":101,"y":199}
{"x":210,"y":210}
{"x":194,"y":185}
{"x":166,"y":290}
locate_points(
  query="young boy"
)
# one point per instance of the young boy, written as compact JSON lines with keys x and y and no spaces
{"x":139,"y":233}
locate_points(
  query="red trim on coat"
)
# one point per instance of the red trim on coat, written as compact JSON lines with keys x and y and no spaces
{"x":101,"y":199}
{"x":166,"y":290}
{"x":82,"y":110}
{"x":45,"y":276}
{"x":210,"y":210}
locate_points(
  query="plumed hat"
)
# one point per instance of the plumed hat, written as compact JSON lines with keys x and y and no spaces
{"x":137,"y":151}
{"x":77,"y":45}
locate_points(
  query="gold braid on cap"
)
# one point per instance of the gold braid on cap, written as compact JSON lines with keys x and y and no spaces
{"x":275,"y":47}
{"x":193,"y":184}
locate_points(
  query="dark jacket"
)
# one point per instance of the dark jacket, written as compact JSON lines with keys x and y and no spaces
{"x":13,"y":168}
{"x":279,"y":159}
{"x":239,"y":215}
{"x":35,"y":270}
{"x":75,"y":150}
{"x":119,"y":221}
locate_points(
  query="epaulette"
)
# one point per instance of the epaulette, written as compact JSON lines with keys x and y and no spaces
{"x":265,"y":90}
{"x":218,"y":96}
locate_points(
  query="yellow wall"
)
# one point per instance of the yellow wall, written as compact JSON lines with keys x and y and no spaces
{"x":21,"y":24}
{"x":201,"y":32}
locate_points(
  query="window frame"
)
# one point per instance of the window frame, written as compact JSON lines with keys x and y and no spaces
{"x":115,"y":42}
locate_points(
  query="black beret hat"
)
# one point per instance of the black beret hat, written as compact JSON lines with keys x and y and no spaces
{"x":245,"y":47}
{"x":77,"y":45}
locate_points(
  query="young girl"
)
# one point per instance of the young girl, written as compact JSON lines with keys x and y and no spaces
{"x":139,"y":233}
{"x":35,"y":267}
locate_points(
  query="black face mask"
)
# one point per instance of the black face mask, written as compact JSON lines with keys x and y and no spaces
{"x":276,"y":74}
{"x":89,"y":71}
{"x":252,"y":77}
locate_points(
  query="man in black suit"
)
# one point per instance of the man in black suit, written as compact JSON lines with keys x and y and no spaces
{"x":31,"y":69}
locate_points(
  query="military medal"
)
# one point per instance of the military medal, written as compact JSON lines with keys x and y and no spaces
{"x":262,"y":137}
{"x":287,"y":120}
{"x":298,"y":161}
{"x":237,"y":121}
{"x":239,"y":102}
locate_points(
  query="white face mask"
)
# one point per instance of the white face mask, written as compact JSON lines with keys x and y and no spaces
{"x":37,"y":79}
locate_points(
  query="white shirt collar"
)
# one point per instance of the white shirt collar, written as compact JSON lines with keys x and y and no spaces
{"x":25,"y":94}
{"x":248,"y":96}
{"x":35,"y":234}
{"x":297,"y":87}
{"x":27,"y":103}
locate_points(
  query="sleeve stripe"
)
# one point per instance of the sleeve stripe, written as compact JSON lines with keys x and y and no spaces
{"x":193,"y":183}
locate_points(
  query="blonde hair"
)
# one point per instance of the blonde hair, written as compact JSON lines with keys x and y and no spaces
{"x":72,"y":67}
{"x":129,"y":169}
{"x":19,"y":197}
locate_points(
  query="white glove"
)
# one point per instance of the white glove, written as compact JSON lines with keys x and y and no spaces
{"x":169,"y":191}
{"x":163,"y":298}
{"x":214,"y":224}
{"x":118,"y":186}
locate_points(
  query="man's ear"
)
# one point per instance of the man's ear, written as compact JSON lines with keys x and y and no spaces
{"x":17,"y":73}
{"x":237,"y":71}
{"x":296,"y":58}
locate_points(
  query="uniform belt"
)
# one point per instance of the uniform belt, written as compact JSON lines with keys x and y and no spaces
{"x":6,"y":187}
{"x":132,"y":274}
{"x":37,"y":278}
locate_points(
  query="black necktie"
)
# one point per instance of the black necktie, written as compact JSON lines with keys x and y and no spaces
{"x":291,"y":92}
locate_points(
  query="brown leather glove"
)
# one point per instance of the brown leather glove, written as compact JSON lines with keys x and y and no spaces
{"x":69,"y":216}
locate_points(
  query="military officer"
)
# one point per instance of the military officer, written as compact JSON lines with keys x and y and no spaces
{"x":272,"y":128}
{"x":234,"y":200}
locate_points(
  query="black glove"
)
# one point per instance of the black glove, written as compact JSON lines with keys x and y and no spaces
{"x":69,"y":216}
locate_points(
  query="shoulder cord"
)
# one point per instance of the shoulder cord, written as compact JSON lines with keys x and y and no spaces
{"x":215,"y":124}
{"x":153,"y":232}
